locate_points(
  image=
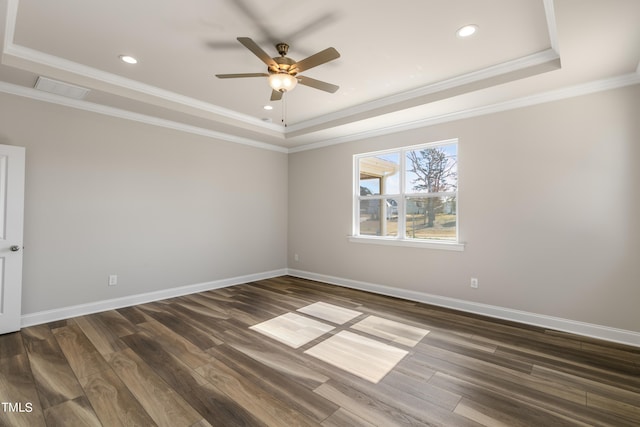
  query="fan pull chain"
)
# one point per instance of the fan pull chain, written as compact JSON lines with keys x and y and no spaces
{"x":284,"y":109}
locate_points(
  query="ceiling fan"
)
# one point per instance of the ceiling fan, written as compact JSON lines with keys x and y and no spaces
{"x":283,"y":71}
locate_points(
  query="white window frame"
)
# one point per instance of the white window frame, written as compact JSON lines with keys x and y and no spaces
{"x":401,"y":197}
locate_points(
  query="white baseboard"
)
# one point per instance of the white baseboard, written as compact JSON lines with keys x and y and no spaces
{"x":111,"y":304}
{"x":580,"y":328}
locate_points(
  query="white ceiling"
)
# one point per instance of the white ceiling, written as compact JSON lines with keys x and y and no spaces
{"x":401,"y":63}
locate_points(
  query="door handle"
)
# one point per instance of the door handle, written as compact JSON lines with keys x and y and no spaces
{"x":15,"y":248}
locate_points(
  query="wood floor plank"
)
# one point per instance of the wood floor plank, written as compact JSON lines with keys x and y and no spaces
{"x":177,"y":324}
{"x":116,"y":323}
{"x":270,"y":354}
{"x":276,"y":383}
{"x":17,"y":386}
{"x":344,"y":418}
{"x":11,"y":345}
{"x":112,"y":401}
{"x":363,"y":407}
{"x":213,"y":405}
{"x":463,"y":341}
{"x":492,"y":413}
{"x":83,"y":358}
{"x":587,"y":385}
{"x":261,"y":404}
{"x":278,"y":299}
{"x":445,"y":349}
{"x":464,"y":366}
{"x":164,"y":404}
{"x":200,"y":305}
{"x":479,"y":416}
{"x":76,"y":412}
{"x":100,"y":335}
{"x":132,"y":314}
{"x":198,"y":318}
{"x":379,"y":412}
{"x":201,"y":423}
{"x":623,"y":409}
{"x":614,"y":376}
{"x":516,"y":408}
{"x":419,"y":389}
{"x":176,"y":344}
{"x":214,"y":307}
{"x":54,"y":379}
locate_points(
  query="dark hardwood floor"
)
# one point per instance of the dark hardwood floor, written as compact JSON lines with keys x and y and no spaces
{"x":193,"y":361}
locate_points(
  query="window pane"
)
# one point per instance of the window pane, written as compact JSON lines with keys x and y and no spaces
{"x":431,"y":218}
{"x":379,"y":174}
{"x":379,"y":217}
{"x":432,"y":170}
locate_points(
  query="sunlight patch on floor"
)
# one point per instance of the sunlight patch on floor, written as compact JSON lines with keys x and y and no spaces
{"x":368,"y":358}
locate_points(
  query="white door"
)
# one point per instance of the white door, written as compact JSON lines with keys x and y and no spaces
{"x":11,"y":223}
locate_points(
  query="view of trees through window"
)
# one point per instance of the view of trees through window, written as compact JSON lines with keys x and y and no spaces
{"x":409,"y":193}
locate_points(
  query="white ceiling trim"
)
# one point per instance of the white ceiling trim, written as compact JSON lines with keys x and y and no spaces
{"x":34,"y":60}
{"x":541,"y":98}
{"x":128,"y":115}
{"x":555,"y":95}
{"x":21,"y":56}
{"x":550,"y":14}
{"x":519,"y":64}
{"x":9,"y":23}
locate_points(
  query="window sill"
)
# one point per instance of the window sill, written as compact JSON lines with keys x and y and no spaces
{"x":426,"y":244}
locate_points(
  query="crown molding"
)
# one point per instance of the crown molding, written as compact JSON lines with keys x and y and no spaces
{"x":549,"y":55}
{"x":19,"y":55}
{"x":38,"y":95}
{"x":554,"y":95}
{"x":24,"y":57}
{"x":34,"y":60}
{"x":474,"y":77}
{"x":550,"y":14}
{"x":541,"y":98}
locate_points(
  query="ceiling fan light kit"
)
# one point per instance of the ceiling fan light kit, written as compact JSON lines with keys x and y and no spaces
{"x":282,"y":82}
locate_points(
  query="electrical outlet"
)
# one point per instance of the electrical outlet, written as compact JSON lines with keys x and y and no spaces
{"x":474,"y":282}
{"x":113,"y":279}
{"x":296,"y":257}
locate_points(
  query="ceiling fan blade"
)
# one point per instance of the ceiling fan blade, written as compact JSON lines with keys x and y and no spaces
{"x":307,"y":27}
{"x":276,"y":95}
{"x":235,"y":76}
{"x":257,"y":51}
{"x":329,"y":54}
{"x":256,"y":20}
{"x":317,"y":84}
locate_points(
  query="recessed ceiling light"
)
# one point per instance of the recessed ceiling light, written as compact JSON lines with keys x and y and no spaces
{"x":268,"y":107}
{"x":128,"y":59}
{"x":467,"y":31}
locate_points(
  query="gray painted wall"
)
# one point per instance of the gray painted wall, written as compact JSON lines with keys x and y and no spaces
{"x":157,"y":207}
{"x":548,"y":208}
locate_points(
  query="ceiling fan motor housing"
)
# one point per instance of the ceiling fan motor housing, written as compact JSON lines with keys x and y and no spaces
{"x":285,"y":65}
